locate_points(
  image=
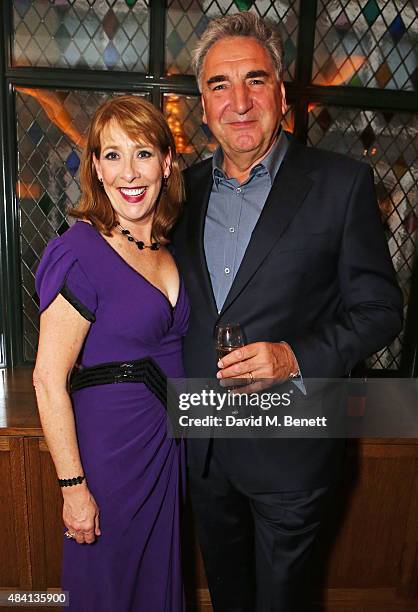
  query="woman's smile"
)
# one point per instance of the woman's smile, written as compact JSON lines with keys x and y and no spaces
{"x":133,"y":195}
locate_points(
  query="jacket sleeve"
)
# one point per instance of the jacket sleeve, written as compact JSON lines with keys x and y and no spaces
{"x":370,"y":315}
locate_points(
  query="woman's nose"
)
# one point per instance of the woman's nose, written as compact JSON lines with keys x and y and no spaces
{"x":130,"y":169}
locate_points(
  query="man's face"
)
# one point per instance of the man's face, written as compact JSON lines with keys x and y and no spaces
{"x":243,"y":100}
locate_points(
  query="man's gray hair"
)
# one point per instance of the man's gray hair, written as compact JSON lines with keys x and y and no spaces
{"x":240,"y":24}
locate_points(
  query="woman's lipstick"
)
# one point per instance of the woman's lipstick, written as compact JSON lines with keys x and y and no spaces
{"x":133,"y":195}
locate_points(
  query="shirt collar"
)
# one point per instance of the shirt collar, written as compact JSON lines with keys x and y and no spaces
{"x":217,"y":161}
{"x":274,"y":158}
{"x":271,"y":162}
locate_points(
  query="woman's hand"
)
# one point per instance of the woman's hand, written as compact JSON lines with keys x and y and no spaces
{"x":81,"y":514}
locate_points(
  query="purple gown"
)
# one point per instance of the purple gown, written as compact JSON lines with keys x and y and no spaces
{"x":133,"y":469}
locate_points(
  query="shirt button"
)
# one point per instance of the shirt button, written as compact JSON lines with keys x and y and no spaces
{"x":238,"y":189}
{"x":232,"y":230}
{"x":227,"y":270}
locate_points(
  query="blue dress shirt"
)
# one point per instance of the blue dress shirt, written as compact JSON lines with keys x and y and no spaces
{"x":233,"y":211}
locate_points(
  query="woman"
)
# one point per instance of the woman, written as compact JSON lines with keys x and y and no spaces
{"x":112,"y":302}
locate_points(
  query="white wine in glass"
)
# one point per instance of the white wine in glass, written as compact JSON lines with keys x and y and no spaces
{"x":228,"y":337}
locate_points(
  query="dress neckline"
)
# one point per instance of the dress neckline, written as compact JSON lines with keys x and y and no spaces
{"x":128,"y":265}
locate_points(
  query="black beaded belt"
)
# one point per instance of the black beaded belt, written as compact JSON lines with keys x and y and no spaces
{"x":141,"y":370}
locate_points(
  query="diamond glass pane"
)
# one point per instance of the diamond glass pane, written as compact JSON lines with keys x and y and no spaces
{"x":51,"y":131}
{"x":367,"y":44}
{"x":187,"y":19}
{"x":89,"y":34}
{"x":194,"y":141}
{"x":389,"y":143}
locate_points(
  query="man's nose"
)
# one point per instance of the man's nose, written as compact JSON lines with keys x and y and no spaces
{"x":241,"y":101}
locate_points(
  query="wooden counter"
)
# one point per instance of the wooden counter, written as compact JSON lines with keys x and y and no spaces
{"x":367,"y":553}
{"x":18,"y":412}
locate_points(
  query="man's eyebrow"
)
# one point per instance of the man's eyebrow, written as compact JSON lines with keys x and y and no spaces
{"x":253,"y":74}
{"x":218,"y":78}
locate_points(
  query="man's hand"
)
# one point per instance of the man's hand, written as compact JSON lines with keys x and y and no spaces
{"x":259,"y":360}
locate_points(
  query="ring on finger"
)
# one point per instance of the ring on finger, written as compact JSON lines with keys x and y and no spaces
{"x":250,"y":374}
{"x":69,"y":535}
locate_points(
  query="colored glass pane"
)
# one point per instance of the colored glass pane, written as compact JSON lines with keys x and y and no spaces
{"x":373,"y":44}
{"x":243,"y":5}
{"x":92,"y":34}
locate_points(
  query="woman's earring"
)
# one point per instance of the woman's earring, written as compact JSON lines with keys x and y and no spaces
{"x":100,"y":181}
{"x":165,"y":182}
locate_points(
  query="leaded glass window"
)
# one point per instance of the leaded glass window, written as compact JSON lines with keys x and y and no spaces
{"x":94,"y":34}
{"x":352,"y":86}
{"x":51,"y":131}
{"x":388,"y":141}
{"x":367,"y":44}
{"x":188,"y":19}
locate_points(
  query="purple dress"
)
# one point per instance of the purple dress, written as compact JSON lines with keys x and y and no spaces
{"x":133,"y":469}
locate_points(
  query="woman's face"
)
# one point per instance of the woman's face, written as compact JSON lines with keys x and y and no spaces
{"x":132,"y":173}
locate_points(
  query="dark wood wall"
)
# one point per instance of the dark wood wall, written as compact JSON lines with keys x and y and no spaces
{"x":366,"y":558}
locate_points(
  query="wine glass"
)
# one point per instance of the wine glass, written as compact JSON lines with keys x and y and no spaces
{"x":228,"y":337}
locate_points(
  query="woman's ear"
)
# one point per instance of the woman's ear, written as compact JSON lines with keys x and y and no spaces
{"x":167,"y":162}
{"x":97,"y":167}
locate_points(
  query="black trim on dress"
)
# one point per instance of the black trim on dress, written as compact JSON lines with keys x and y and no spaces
{"x":75,"y":302}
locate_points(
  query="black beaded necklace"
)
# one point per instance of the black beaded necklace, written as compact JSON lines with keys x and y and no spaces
{"x":154,"y":246}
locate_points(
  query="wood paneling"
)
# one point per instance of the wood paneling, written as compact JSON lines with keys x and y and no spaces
{"x":371,"y":512}
{"x":367,"y":551}
{"x":15,"y":572}
{"x":9,"y":572}
{"x":45,"y":502}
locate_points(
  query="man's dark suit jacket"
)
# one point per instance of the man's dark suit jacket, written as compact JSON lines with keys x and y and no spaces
{"x":317,"y":274}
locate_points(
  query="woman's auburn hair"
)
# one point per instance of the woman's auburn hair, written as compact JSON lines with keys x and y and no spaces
{"x":144,"y":123}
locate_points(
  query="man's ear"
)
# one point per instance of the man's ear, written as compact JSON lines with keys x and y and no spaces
{"x":204,"y":119}
{"x":283,"y":98}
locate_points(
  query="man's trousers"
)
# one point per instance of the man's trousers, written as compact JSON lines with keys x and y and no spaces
{"x":256,"y":543}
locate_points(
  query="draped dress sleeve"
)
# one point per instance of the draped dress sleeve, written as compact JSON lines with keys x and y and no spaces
{"x":60,"y":272}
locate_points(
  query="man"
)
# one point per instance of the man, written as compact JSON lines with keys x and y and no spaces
{"x":287,"y":241}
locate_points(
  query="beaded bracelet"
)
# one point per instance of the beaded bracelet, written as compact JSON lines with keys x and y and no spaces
{"x":69,"y":482}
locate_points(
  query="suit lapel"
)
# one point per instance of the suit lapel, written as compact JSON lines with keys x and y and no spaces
{"x":198,"y":194}
{"x":289,"y":190}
